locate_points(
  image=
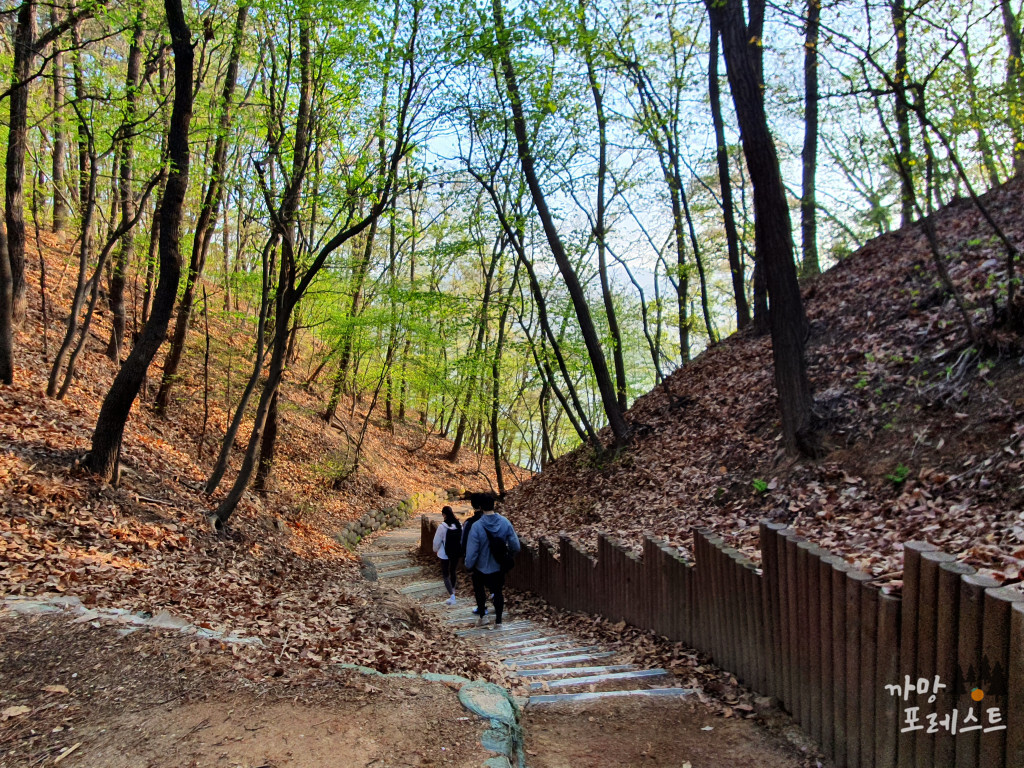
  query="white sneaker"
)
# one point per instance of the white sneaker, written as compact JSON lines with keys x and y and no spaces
{"x":450,"y":600}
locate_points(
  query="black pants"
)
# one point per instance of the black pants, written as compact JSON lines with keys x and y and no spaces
{"x":495,"y":583}
{"x":448,"y":574}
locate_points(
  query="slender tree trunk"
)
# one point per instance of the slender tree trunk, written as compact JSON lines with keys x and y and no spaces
{"x":268,"y":445}
{"x":78,"y":300}
{"x":899,"y":23}
{"x":208,"y":213}
{"x":221,"y":465}
{"x":154,"y":233}
{"x":60,"y":207}
{"x":81,"y":133}
{"x":772,"y":230}
{"x":496,"y":382}
{"x":616,"y":421}
{"x":599,"y":231}
{"x":808,"y":197}
{"x":460,"y":431}
{"x":104,"y":457}
{"x":732,"y":239}
{"x":127,"y":249}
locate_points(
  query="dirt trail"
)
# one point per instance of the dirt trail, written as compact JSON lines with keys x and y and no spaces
{"x":154,"y":699}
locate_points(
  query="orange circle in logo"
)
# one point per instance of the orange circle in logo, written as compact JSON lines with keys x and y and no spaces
{"x":977,"y":694}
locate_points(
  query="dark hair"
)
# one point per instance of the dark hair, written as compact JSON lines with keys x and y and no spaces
{"x":449,"y":516}
{"x":484,"y":501}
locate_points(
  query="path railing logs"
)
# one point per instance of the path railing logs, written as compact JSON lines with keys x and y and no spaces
{"x":932,"y":679}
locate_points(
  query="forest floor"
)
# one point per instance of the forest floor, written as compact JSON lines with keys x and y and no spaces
{"x":923,"y":433}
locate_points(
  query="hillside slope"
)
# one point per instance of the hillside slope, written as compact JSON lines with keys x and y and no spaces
{"x":923,"y":435}
{"x":145,"y":545}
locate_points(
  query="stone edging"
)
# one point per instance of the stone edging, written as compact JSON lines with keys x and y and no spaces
{"x":391,"y":517}
{"x":490,"y":702}
{"x":34,"y":606}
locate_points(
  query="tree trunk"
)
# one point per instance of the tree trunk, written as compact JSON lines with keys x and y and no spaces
{"x":154,"y":233}
{"x":127,"y":249}
{"x":496,"y":382}
{"x":772,"y":230}
{"x":616,"y":421}
{"x":808,"y":197}
{"x":221,"y":465}
{"x":60,"y":207}
{"x":17,"y":137}
{"x":899,"y":23}
{"x":208,"y":213}
{"x":6,"y":319}
{"x":1015,"y":80}
{"x":103,"y":458}
{"x":732,"y":239}
{"x":599,"y":231}
{"x":268,"y":446}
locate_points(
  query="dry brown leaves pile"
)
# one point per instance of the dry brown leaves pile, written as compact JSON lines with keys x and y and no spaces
{"x":924,"y":436}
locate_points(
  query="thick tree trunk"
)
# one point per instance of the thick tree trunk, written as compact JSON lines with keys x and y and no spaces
{"x":809,"y":156}
{"x":104,"y":456}
{"x":605,"y":386}
{"x":6,"y":311}
{"x":127,"y":249}
{"x":732,"y":238}
{"x":17,"y":138}
{"x":1015,"y":80}
{"x":208,"y":213}
{"x":772,"y":230}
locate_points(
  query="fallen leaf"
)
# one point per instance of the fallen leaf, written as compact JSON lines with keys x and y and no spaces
{"x":17,"y":711}
{"x":56,"y":689}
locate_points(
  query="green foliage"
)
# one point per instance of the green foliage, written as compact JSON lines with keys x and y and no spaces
{"x":899,"y":475}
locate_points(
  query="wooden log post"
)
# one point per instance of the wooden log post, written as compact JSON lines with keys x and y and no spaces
{"x":1015,"y":695}
{"x":793,"y":620}
{"x":826,"y":655}
{"x":839,"y":635}
{"x":998,"y":607}
{"x":770,"y":605}
{"x":947,"y":627}
{"x":927,"y":632}
{"x":855,"y":581}
{"x":887,"y":671}
{"x":969,"y":656}
{"x":803,"y":652}
{"x":912,"y":552}
{"x":868,"y":674}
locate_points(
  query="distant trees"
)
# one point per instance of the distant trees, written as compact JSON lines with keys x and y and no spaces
{"x":496,"y":224}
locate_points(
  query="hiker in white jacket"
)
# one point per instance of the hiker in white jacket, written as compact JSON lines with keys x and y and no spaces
{"x":448,"y":548}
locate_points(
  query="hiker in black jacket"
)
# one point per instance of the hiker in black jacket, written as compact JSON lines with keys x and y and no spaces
{"x":490,"y":551}
{"x":478,"y":502}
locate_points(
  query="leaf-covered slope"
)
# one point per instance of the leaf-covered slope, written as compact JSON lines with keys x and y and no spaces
{"x":924,"y":435}
{"x":145,"y":545}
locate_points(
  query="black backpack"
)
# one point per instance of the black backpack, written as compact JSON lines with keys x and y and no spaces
{"x":453,"y":543}
{"x":500,"y":553}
